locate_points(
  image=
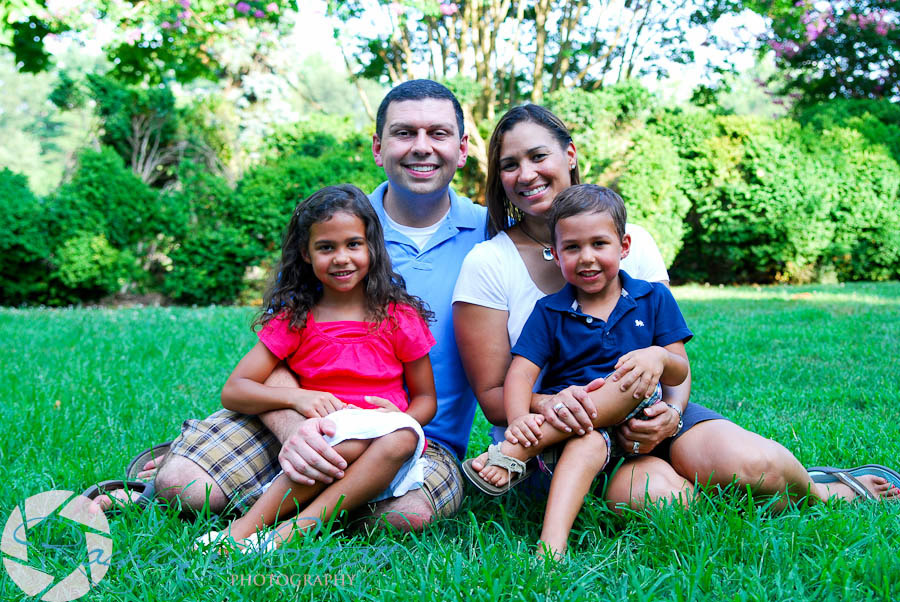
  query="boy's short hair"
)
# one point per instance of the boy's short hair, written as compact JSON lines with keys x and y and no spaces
{"x":418,"y":89}
{"x":587,"y":198}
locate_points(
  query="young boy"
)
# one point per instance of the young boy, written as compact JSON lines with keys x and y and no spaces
{"x":602,"y":323}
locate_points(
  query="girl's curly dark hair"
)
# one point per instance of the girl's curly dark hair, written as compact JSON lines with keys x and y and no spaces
{"x":295,"y":289}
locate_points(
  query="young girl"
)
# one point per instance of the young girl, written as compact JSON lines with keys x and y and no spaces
{"x":344,"y":323}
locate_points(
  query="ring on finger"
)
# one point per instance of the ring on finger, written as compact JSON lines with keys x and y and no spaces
{"x":559,"y":407}
{"x":636,"y":447}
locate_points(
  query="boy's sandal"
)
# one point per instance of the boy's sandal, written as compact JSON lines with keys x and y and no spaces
{"x":517,"y":471}
{"x":137,"y":463}
{"x":849,"y":477}
{"x":145,"y":489}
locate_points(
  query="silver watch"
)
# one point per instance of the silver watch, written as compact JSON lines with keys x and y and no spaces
{"x":680,"y":418}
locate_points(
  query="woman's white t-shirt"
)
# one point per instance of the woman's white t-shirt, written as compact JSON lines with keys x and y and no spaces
{"x":493,"y":275}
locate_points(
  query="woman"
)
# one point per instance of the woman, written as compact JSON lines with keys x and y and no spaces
{"x":531,"y":158}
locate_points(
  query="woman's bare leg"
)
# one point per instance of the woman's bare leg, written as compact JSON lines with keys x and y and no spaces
{"x":719,"y":452}
{"x":581,"y":460}
{"x":644,"y":479}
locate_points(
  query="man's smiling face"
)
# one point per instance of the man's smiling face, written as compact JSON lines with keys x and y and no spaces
{"x":420,"y":147}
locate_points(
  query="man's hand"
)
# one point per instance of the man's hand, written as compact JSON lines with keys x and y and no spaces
{"x":661,"y":424}
{"x":641,"y":366}
{"x":314,"y":404}
{"x":577,"y":411}
{"x":305,"y":456}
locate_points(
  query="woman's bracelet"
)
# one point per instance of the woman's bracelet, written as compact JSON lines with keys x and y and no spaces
{"x":680,"y":418}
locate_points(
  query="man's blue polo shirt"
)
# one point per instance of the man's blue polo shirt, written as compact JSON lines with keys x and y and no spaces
{"x":430,"y":274}
{"x":577,"y":348}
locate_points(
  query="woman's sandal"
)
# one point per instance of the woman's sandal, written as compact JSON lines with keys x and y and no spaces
{"x":517,"y":471}
{"x":848,"y":476}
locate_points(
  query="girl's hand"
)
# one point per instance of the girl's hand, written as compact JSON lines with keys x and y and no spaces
{"x":315,"y":404}
{"x":383,"y":404}
{"x":641,"y":368}
{"x":525,"y":429}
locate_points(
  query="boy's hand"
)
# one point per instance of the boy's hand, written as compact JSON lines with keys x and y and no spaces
{"x":642,"y":368}
{"x":383,"y":404}
{"x":525,"y":429}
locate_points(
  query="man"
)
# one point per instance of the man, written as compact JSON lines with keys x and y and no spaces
{"x":420,"y":142}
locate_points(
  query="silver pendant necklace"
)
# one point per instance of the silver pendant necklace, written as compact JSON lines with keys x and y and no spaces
{"x":547,"y":254}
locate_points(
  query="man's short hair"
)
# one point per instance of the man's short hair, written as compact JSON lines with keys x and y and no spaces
{"x":418,"y":89}
{"x":587,"y":198}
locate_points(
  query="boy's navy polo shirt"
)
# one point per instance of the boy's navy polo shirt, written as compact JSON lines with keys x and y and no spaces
{"x":577,"y":348}
{"x":430,"y":274}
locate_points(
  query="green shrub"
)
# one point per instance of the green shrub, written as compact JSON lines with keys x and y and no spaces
{"x":209,"y":266}
{"x":90,"y":267}
{"x":269,"y":193}
{"x":104,"y":196}
{"x":651,"y":186}
{"x":23,"y":241}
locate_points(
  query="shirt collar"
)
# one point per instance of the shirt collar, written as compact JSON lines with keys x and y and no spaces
{"x":566,"y":300}
{"x":461,"y":216}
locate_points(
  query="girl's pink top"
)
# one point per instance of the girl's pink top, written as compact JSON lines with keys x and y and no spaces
{"x":352,"y":359}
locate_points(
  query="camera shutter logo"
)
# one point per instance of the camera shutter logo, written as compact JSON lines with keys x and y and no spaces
{"x":56,"y":505}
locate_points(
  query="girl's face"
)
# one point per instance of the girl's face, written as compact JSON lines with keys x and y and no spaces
{"x":339,"y":252}
{"x":534,"y":168}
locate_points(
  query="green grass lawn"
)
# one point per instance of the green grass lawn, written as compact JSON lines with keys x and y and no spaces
{"x":815,"y":368}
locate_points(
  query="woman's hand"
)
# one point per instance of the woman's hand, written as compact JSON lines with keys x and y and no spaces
{"x":525,"y":429}
{"x":383,"y":404}
{"x":661,"y":424}
{"x":315,"y":404}
{"x":577,"y":411}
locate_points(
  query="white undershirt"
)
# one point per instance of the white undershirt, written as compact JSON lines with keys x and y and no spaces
{"x":420,"y":236}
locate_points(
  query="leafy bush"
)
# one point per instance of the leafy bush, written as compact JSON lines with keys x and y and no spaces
{"x":651,"y":186}
{"x":23,"y":242}
{"x":776,"y":202}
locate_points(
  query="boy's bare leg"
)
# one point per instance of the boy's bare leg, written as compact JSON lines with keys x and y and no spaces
{"x":368,"y":476}
{"x":283,"y":496}
{"x":581,"y":460}
{"x":613,"y":406}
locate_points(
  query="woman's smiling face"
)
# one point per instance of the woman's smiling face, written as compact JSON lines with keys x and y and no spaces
{"x":534,"y":168}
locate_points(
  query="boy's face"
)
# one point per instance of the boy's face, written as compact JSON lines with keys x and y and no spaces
{"x":420,"y":147}
{"x":588,"y":251}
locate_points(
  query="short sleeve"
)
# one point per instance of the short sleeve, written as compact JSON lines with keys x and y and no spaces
{"x":479,"y":281}
{"x":412,"y":339}
{"x":644,"y":261}
{"x":536,"y":341}
{"x":670,"y":326}
{"x":278,"y":336}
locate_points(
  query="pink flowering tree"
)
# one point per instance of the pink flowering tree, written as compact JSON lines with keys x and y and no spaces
{"x":148,"y":41}
{"x":835,"y":48}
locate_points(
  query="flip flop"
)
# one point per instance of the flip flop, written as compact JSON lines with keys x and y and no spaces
{"x":144,"y":488}
{"x":518,"y":471}
{"x":137,"y":464}
{"x":849,"y":476}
